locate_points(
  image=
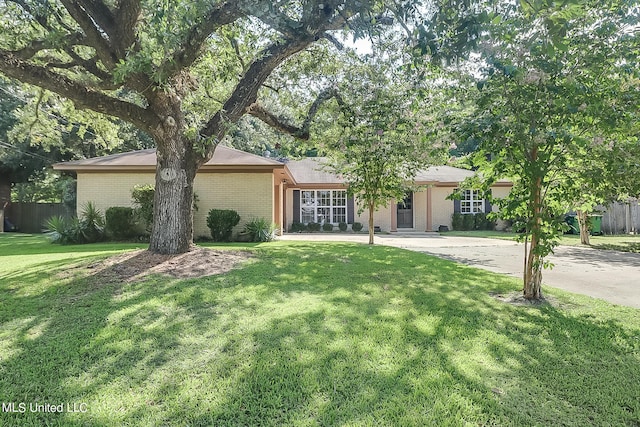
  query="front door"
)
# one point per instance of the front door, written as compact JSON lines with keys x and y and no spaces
{"x":405,"y":212}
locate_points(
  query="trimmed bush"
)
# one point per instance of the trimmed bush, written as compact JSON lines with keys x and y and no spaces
{"x":468,"y":222}
{"x":297,"y":227}
{"x":221,"y":223}
{"x":120,"y":222}
{"x":313,"y":226}
{"x":327,"y":226}
{"x":342,"y":226}
{"x":357,"y":226}
{"x":142,"y":196}
{"x":261,"y":230}
{"x":456,"y":221}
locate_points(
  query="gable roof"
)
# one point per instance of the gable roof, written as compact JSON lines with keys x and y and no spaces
{"x":223,"y":158}
{"x":314,"y":171}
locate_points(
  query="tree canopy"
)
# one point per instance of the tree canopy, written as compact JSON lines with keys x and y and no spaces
{"x":559,"y":94}
{"x":185,"y":72}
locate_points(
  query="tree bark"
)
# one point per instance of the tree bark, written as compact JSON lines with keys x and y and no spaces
{"x":371,"y":226}
{"x":533,"y":268}
{"x":583,"y":222}
{"x":172,"y":230}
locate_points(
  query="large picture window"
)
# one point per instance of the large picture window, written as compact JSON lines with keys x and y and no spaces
{"x":323,"y":206}
{"x":471,"y":202}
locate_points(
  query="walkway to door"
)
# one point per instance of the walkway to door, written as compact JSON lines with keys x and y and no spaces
{"x":609,"y":275}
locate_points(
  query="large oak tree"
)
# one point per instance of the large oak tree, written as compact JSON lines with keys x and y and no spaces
{"x":139,"y":61}
{"x":185,"y":72}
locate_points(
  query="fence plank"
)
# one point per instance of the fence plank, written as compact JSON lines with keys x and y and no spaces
{"x":30,"y":217}
{"x":622,"y":218}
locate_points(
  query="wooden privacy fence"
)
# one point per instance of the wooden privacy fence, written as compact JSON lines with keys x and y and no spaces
{"x":30,"y":217}
{"x":622,"y":218}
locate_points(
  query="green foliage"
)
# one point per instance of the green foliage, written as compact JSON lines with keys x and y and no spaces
{"x":314,"y":226}
{"x":342,"y":226}
{"x":547,"y":113}
{"x":468,"y":222}
{"x":221,"y":223}
{"x":60,"y":230}
{"x":88,"y":228}
{"x":261,"y":230}
{"x":456,"y":221}
{"x":142,"y":196}
{"x":357,"y":226}
{"x":297,"y":227}
{"x":120,"y":222}
{"x":91,"y":224}
{"x":327,"y":226}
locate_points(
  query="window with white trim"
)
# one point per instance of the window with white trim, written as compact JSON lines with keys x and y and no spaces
{"x":471,"y":202}
{"x":323,"y":206}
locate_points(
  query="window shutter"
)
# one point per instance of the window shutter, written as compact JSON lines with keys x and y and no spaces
{"x":456,"y":206}
{"x":296,"y":205}
{"x":487,"y":205}
{"x":350,"y":210}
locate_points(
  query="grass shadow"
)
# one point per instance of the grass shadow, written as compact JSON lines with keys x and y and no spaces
{"x":315,"y":334}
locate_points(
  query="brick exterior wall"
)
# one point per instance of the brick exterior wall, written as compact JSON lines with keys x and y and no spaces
{"x":251,"y":194}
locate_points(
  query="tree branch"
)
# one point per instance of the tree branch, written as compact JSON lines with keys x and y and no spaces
{"x":301,"y":132}
{"x":94,"y":35}
{"x":221,"y":14}
{"x":126,"y":19}
{"x":246,"y":91}
{"x":81,"y":95}
{"x":36,"y":46}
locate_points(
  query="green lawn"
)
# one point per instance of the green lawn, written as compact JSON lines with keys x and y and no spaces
{"x":624,"y":243}
{"x":306,"y":334}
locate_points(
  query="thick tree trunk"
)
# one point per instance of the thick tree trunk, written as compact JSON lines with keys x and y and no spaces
{"x":371,"y":226}
{"x":534,"y":262}
{"x":583,"y":222}
{"x":172,"y":230}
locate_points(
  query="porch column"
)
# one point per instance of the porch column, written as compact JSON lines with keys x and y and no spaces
{"x":278,"y":200}
{"x":429,"y":211}
{"x":394,"y":215}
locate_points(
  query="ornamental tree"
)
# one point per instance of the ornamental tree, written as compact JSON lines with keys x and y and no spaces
{"x":385,"y":137}
{"x":548,"y":92}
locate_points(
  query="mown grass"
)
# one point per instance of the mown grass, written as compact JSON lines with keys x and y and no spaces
{"x":623,"y":243}
{"x":307,"y":334}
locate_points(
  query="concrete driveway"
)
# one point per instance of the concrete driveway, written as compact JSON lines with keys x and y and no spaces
{"x":609,"y":275}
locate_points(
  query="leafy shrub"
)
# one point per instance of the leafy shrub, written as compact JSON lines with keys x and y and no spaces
{"x":357,"y":226}
{"x":91,"y":224}
{"x":456,"y":221}
{"x":142,"y":196}
{"x":221,"y":223}
{"x":479,"y":221}
{"x":120,"y":222}
{"x":468,"y":222}
{"x":261,"y":230}
{"x":327,"y":226}
{"x":297,"y":227}
{"x":60,"y":230}
{"x":89,"y":228}
{"x":342,"y":226}
{"x":313,"y":226}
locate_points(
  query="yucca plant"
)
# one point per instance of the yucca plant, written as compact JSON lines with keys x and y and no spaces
{"x":261,"y":230}
{"x":57,"y":227}
{"x":91,"y":223}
